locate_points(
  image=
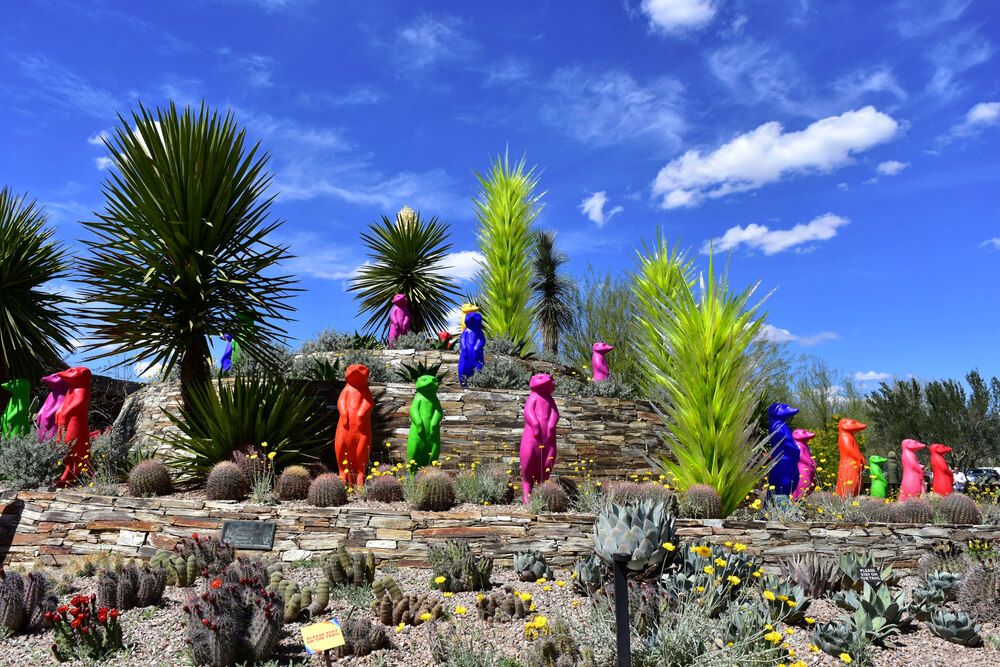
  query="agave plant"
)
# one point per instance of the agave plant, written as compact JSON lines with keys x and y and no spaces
{"x":34,"y":326}
{"x":506,"y":208}
{"x":249,"y":411}
{"x":408,"y":373}
{"x":408,"y":256}
{"x":955,"y":627}
{"x":639,"y":529}
{"x":708,"y":398}
{"x":181,"y":250}
{"x":324,"y":369}
{"x":552,"y":290}
{"x":818,"y":576}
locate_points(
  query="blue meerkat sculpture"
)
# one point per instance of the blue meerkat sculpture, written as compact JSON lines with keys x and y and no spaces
{"x":784,"y":476}
{"x":473,"y":344}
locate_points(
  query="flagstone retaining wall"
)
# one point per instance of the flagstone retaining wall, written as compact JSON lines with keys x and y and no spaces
{"x":51,"y":527}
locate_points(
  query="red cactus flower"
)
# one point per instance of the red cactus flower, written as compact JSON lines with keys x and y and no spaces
{"x":102,"y":616}
{"x":76,"y":622}
{"x":63,"y":609}
{"x":195,"y":536}
{"x":217,"y":583}
{"x":84,"y":629}
{"x":113,"y":614}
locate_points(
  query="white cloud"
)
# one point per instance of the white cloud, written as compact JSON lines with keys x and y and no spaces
{"x":463,"y":265}
{"x":843,"y":186}
{"x":58,"y":86}
{"x":768,"y":153}
{"x":99,"y":138}
{"x":677,"y":15}
{"x":606,"y":108}
{"x":918,"y":17}
{"x":103,"y":162}
{"x":454,"y":320}
{"x":593,"y":208}
{"x":991,"y":244}
{"x":978,"y":117}
{"x":256,"y":67}
{"x":786,"y":336}
{"x":509,"y":70}
{"x":144,"y":371}
{"x":953,"y":56}
{"x":871,"y":376}
{"x":772,"y":241}
{"x":429,"y":41}
{"x":892,"y":167}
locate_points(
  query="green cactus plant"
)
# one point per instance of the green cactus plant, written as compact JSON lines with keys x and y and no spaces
{"x":180,"y":572}
{"x":293,"y":484}
{"x":945,"y":581}
{"x":551,"y":496}
{"x":384,"y":489}
{"x":386,"y":586}
{"x":130,"y":587}
{"x":502,"y":605}
{"x":327,"y":490}
{"x":393,"y":607}
{"x":227,"y":482}
{"x":944,"y":556}
{"x":531,"y":566}
{"x":356,"y":569}
{"x":436,"y":490}
{"x":588,"y":574}
{"x":702,"y":501}
{"x":955,"y":628}
{"x":149,"y":478}
{"x":456,"y":568}
{"x":876,"y":510}
{"x":835,"y":638}
{"x":959,"y":508}
{"x":915,"y":510}
{"x":979,"y":593}
{"x":24,"y":602}
{"x":361,"y":637}
{"x":639,"y":529}
{"x":926,"y":599}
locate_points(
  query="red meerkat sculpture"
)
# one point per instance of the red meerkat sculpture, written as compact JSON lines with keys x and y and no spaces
{"x":353,"y":441}
{"x":71,"y":422}
{"x":944,"y":478}
{"x":851,"y":460}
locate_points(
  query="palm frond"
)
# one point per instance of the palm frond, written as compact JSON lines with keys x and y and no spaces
{"x":553,"y":290}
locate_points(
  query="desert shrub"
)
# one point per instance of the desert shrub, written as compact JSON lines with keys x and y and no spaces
{"x":246,"y":366}
{"x":614,"y":386}
{"x":378,"y":371}
{"x":500,"y":372}
{"x":414,"y":341}
{"x":27,"y":462}
{"x":490,"y":484}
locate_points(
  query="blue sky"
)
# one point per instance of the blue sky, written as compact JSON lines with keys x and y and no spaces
{"x":843,"y":151}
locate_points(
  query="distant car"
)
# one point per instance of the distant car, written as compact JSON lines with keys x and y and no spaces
{"x":982,"y":476}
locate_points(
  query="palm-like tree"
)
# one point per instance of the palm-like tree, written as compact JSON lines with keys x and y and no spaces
{"x":553,"y":290}
{"x":34,"y":326}
{"x":182,"y":245}
{"x":407,"y":257}
{"x":506,"y":207}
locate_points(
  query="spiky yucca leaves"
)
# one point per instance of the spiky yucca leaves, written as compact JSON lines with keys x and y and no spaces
{"x":34,"y":326}
{"x":217,"y":422}
{"x":707,"y":400}
{"x":553,"y":290}
{"x":407,"y":257}
{"x":506,"y":207}
{"x":660,"y":274}
{"x":182,"y":247}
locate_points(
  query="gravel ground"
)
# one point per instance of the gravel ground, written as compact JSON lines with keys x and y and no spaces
{"x":154,"y":636}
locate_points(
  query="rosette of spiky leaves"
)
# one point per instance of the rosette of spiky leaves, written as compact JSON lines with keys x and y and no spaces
{"x":214,"y":423}
{"x":817,"y":575}
{"x":324,"y":370}
{"x":925,"y":599}
{"x":588,"y":574}
{"x":945,"y":581}
{"x":877,"y":602}
{"x":460,"y":568}
{"x":786,"y":603}
{"x":531,"y":566}
{"x":408,"y":256}
{"x":639,"y":529}
{"x":835,"y":637}
{"x":956,"y":628}
{"x":850,"y":565}
{"x":410,"y":374}
{"x":182,"y":250}
{"x":34,"y":325}
{"x":715,"y":378}
{"x":506,"y":208}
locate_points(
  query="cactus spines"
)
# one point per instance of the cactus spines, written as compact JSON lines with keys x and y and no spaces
{"x":327,"y":490}
{"x":293,"y":484}
{"x":151,"y":584}
{"x":130,"y":587}
{"x":344,"y":568}
{"x":24,"y":601}
{"x":227,"y":482}
{"x":460,"y":568}
{"x":959,"y":508}
{"x":252,"y":460}
{"x":387,"y":585}
{"x":916,"y":510}
{"x":531,"y":566}
{"x":149,"y":478}
{"x":407,"y":608}
{"x":502,"y":605}
{"x":437,"y":490}
{"x":876,"y":510}
{"x":320,"y":598}
{"x":385,"y":489}
{"x":553,"y":497}
{"x":703,"y":502}
{"x":361,"y":637}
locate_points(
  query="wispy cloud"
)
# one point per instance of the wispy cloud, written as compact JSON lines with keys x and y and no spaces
{"x":673,"y":16}
{"x":978,"y":118}
{"x":768,"y":154}
{"x":430,"y":41}
{"x":593,"y":208}
{"x":786,"y":336}
{"x":953,"y":56}
{"x":771,"y":241}
{"x":891,"y":167}
{"x":611,"y":107}
{"x":255,"y":67}
{"x":991,"y":244}
{"x":871,"y":376}
{"x":919,"y":17}
{"x":61,"y":87}
{"x":507,"y":71}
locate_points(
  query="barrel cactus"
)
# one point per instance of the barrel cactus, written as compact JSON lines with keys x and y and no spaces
{"x":961,"y":509}
{"x":703,"y":502}
{"x":639,"y":529}
{"x":436,"y":490}
{"x":227,"y":482}
{"x":876,"y":510}
{"x":328,"y":491}
{"x":552,"y":497}
{"x":915,"y":510}
{"x":384,"y":489}
{"x":361,"y":637}
{"x":293,"y":483}
{"x":149,"y":478}
{"x":531,"y":566}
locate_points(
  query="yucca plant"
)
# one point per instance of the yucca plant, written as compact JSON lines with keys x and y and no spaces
{"x":553,"y":290}
{"x":408,"y":373}
{"x":34,"y":326}
{"x":182,"y":246}
{"x":660,"y":274}
{"x":506,"y":208}
{"x":246,"y":412}
{"x":407,"y":257}
{"x":708,"y":397}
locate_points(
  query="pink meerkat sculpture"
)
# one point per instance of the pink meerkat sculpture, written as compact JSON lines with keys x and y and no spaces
{"x":538,"y":443}
{"x":599,"y":362}
{"x":913,"y":472}
{"x":46,"y":420}
{"x":807,"y":466}
{"x":400,"y":320}
{"x":944,"y":478}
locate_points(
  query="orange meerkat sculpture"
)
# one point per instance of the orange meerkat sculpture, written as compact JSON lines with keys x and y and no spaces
{"x":851,"y":460}
{"x":353,"y":442}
